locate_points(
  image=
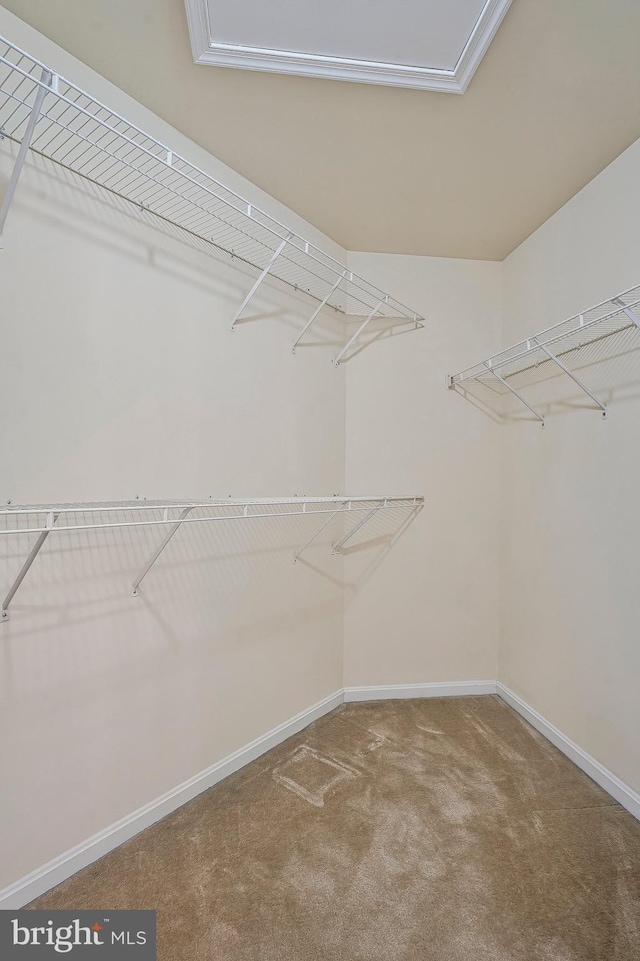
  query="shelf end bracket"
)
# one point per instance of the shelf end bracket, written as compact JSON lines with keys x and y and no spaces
{"x":514,"y":392}
{"x":360,"y":329}
{"x":631,"y":314}
{"x":317,"y":311}
{"x":262,"y":276}
{"x":576,"y":380}
{"x":337,"y":547}
{"x":319,"y":531}
{"x":46,"y":79}
{"x":50,"y":523}
{"x":135,"y":587}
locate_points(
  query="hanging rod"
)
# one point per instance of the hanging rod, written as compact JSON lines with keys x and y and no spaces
{"x":555,"y":343}
{"x":47,"y":519}
{"x":63,"y":123}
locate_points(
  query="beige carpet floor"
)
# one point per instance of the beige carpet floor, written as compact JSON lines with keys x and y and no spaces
{"x":442,"y":829}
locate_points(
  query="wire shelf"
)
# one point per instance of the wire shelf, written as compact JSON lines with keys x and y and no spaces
{"x":81,"y":134}
{"x":558,"y":345}
{"x":46,"y":519}
{"x":143,"y":513}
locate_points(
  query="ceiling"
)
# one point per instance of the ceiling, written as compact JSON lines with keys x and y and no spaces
{"x":426,"y":44}
{"x":385,"y":169}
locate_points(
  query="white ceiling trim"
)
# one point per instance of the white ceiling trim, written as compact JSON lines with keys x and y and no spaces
{"x":206,"y":50}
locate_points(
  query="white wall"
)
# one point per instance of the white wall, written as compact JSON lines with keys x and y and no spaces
{"x":571,"y":523}
{"x":121,"y":378}
{"x":425,"y":606}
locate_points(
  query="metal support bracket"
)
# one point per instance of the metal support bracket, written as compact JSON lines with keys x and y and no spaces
{"x":319,"y":531}
{"x":356,"y":527}
{"x":576,"y":380}
{"x":633,"y":317}
{"x":51,"y":520}
{"x":360,"y":329}
{"x":317,"y":311}
{"x":135,"y":587}
{"x":514,"y":392}
{"x":262,"y":276}
{"x":46,"y":78}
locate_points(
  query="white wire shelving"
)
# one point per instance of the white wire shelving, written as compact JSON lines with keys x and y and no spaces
{"x":41,"y":111}
{"x":43,"y":520}
{"x":558,"y":345}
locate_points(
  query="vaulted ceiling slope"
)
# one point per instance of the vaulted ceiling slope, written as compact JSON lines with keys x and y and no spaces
{"x":385,"y":169}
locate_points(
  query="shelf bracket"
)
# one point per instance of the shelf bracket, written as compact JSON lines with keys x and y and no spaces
{"x":360,"y":329}
{"x":514,"y":392}
{"x":576,"y":380}
{"x":337,"y":547}
{"x":46,"y":78}
{"x":135,"y":587}
{"x":317,"y":311}
{"x":51,"y":520}
{"x":319,"y":531}
{"x":262,"y":276}
{"x":633,"y":317}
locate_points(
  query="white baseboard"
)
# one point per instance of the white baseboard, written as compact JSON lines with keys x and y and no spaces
{"x":622,"y":793}
{"x":67,"y":864}
{"x":72,"y":861}
{"x":383,"y":692}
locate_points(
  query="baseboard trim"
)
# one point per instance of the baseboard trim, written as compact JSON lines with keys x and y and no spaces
{"x":622,"y":793}
{"x":383,"y":692}
{"x":72,"y":861}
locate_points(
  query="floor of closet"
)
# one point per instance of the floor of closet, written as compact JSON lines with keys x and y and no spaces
{"x":437,"y":828}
